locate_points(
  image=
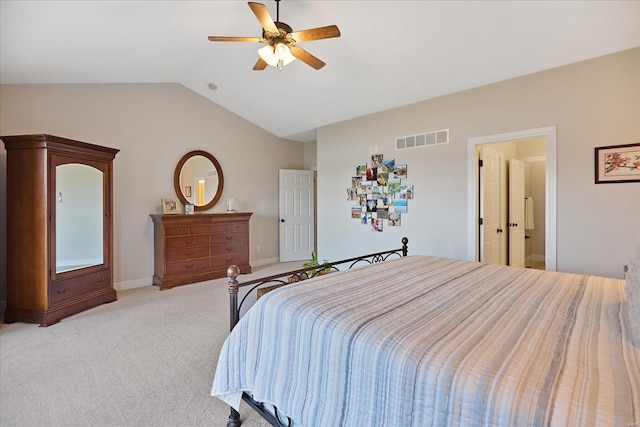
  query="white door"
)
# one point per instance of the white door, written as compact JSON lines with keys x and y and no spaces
{"x":296,"y":215}
{"x":516,"y":213}
{"x":489,"y":205}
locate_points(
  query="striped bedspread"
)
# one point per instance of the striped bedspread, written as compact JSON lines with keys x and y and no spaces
{"x":427,"y":341}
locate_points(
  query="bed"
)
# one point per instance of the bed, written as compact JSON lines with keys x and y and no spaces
{"x":422,"y":340}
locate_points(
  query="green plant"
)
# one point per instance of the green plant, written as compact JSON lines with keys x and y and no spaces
{"x":313,"y":262}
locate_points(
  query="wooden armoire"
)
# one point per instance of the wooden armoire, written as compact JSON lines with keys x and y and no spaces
{"x":59,"y":227}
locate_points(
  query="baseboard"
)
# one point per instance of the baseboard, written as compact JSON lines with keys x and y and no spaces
{"x":132,"y":284}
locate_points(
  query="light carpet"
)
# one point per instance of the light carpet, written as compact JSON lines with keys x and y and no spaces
{"x":145,"y":360}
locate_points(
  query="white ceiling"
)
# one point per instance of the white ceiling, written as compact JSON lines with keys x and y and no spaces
{"x":391,"y":53}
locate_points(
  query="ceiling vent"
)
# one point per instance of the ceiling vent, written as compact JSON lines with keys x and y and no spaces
{"x":437,"y":137}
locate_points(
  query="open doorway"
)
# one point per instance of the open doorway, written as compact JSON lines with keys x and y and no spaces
{"x":548,"y":134}
{"x":512,"y":203}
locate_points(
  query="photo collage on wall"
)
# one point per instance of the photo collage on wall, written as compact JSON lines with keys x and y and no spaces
{"x":380,"y":195}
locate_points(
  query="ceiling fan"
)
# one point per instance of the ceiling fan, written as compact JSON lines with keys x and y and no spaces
{"x":281,"y":42}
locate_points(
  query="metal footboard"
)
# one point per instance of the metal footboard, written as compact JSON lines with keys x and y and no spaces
{"x":283,"y":279}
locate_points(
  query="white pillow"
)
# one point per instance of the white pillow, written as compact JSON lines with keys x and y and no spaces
{"x":632,"y":287}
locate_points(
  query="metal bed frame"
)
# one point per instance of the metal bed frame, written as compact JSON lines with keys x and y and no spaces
{"x":283,"y":279}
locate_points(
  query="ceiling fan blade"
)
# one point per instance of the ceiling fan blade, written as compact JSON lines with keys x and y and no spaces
{"x":260,"y":65}
{"x":316,"y":34}
{"x":306,"y":57}
{"x":262,"y":13}
{"x":235,"y":39}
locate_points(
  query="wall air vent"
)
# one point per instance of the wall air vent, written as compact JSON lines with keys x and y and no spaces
{"x":437,"y":137}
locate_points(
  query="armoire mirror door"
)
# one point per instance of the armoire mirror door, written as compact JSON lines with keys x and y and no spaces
{"x":79,"y":216}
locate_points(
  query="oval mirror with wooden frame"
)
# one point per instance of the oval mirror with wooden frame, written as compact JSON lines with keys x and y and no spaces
{"x":198,"y":180}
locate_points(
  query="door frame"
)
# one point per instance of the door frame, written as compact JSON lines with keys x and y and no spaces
{"x":473,"y":203}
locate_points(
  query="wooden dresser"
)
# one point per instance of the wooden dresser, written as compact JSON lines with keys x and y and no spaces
{"x":199,"y":247}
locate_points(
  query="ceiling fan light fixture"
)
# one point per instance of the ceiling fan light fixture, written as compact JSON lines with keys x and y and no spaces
{"x":267,"y":54}
{"x":278,"y":56}
{"x":280,"y":39}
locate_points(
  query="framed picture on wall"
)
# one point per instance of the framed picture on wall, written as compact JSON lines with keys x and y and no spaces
{"x":617,"y":163}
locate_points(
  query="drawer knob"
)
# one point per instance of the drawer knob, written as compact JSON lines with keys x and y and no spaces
{"x":62,"y":291}
{"x":229,"y":248}
{"x":188,"y":240}
{"x":229,"y":259}
{"x":229,"y":237}
{"x":189,"y":265}
{"x":189,"y":253}
{"x":100,"y":280}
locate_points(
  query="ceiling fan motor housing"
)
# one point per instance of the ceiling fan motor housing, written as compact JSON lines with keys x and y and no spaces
{"x":282,"y":27}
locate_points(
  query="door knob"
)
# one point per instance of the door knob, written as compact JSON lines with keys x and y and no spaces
{"x":499,"y":230}
{"x":282,"y":220}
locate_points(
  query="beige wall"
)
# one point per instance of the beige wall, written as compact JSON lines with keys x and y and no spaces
{"x":310,"y":155}
{"x":592,"y":103}
{"x":154,"y":125}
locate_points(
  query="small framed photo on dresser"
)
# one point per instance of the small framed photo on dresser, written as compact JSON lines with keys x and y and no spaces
{"x":170,"y":206}
{"x":189,"y":209}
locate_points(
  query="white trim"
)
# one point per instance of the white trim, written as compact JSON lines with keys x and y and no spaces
{"x":549,"y":133}
{"x":132,"y":284}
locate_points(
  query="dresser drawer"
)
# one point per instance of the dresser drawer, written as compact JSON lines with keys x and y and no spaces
{"x":226,"y":260}
{"x":187,"y":253}
{"x":229,"y":237}
{"x":211,"y":228}
{"x":229,"y":247}
{"x":176,"y":231}
{"x":238,"y":227}
{"x":61,"y":290}
{"x":187,"y":241}
{"x":188,"y":266}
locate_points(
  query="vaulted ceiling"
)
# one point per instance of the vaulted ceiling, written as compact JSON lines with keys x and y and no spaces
{"x":390,"y":53}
